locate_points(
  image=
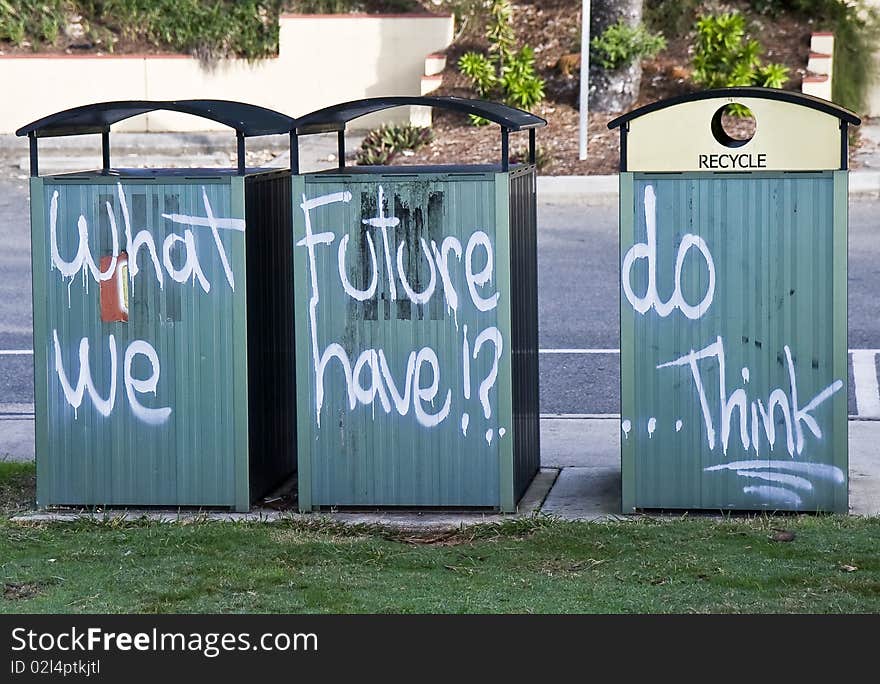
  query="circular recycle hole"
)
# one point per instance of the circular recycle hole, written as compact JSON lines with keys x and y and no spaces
{"x":733,"y":125}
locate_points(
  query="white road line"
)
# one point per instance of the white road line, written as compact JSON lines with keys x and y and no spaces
{"x":578,"y":416}
{"x":617,"y":351}
{"x":579,"y":351}
{"x":616,"y":416}
{"x":867,"y":389}
{"x":865,"y":380}
{"x":27,"y":352}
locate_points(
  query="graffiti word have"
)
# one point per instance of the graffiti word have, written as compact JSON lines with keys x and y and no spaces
{"x":133,"y":386}
{"x":762,"y":415}
{"x":648,"y":251}
{"x":190,"y":269}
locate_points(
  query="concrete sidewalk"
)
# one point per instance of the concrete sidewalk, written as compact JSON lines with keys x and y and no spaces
{"x":587,"y":454}
{"x":579,"y":480}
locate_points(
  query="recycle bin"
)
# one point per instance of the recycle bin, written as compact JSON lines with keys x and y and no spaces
{"x":733,"y":315}
{"x":163,"y":334}
{"x":416,"y":323}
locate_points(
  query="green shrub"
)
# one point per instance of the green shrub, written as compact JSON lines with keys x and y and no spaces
{"x":481,"y":72}
{"x":209,"y":29}
{"x":36,"y":21}
{"x":671,"y":17}
{"x":504,"y":73}
{"x":384,"y":143}
{"x":622,"y":44}
{"x":725,"y":57}
{"x":522,"y":86}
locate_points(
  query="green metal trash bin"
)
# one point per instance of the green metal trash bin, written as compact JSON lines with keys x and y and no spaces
{"x":733,"y":303}
{"x":416,"y":324}
{"x":162,"y":326}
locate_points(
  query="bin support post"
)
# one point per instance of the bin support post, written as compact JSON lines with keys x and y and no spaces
{"x":294,"y":153}
{"x":105,"y":151}
{"x":505,"y":163}
{"x":240,"y":139}
{"x":844,"y":145}
{"x":340,"y":147}
{"x":32,"y":141}
{"x":531,"y":146}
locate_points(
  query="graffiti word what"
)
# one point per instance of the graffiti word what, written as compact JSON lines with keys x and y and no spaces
{"x":189,"y":270}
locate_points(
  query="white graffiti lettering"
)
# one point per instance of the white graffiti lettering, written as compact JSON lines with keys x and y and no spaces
{"x":794,"y":415}
{"x":133,"y":386}
{"x":370,"y":378}
{"x":648,"y":250}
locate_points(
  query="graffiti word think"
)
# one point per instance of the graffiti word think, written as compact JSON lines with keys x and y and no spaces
{"x":762,"y":414}
{"x":189,"y":269}
{"x":648,"y":251}
{"x":133,"y":386}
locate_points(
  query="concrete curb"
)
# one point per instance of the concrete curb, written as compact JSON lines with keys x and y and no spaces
{"x":529,"y":505}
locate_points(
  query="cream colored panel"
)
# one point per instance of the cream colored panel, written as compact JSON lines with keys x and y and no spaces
{"x":789,"y":137}
{"x":322,"y":61}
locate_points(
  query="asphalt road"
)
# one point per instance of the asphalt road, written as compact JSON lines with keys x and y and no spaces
{"x":578,"y":285}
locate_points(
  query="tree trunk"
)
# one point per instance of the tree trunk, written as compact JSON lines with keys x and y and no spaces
{"x":614,"y":90}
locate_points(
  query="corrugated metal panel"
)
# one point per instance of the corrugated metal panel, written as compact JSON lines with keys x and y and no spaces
{"x":766,"y":333}
{"x":403,"y":451}
{"x":524,"y":323}
{"x":167,"y":423}
{"x":271,"y":367}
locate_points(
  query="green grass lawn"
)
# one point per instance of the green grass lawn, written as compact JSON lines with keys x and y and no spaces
{"x":526,"y":565}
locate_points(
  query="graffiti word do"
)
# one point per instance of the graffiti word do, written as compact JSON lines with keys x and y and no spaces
{"x":133,"y":385}
{"x":189,"y":270}
{"x":648,"y":251}
{"x":762,"y":415}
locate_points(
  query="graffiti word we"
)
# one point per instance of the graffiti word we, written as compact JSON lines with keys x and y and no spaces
{"x":133,"y":386}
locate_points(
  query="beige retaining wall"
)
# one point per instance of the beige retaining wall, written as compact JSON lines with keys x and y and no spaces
{"x":323,"y":60}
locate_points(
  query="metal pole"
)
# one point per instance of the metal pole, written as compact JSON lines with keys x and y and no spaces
{"x":241,"y":165}
{"x":340,"y":145}
{"x":32,"y":140}
{"x":532,"y":155}
{"x":105,"y":151}
{"x":585,"y":81}
{"x":505,"y":163}
{"x":294,"y":152}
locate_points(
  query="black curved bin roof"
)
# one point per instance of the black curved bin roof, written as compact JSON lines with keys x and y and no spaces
{"x":334,"y":118}
{"x":765,"y":93}
{"x":247,"y":120}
